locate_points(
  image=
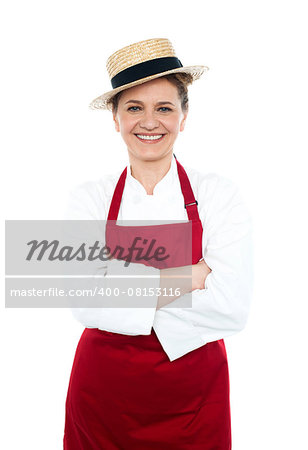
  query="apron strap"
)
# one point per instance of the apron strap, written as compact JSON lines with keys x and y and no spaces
{"x":117,"y":197}
{"x":190,"y":203}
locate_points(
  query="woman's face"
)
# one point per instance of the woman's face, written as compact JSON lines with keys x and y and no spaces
{"x":149,"y":118}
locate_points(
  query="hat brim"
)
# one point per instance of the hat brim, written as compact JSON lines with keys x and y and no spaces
{"x":101,"y":102}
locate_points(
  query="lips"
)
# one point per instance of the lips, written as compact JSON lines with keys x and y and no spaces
{"x":150,"y":138}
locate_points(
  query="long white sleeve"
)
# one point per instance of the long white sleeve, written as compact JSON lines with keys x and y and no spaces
{"x":221,"y":308}
{"x":86,"y":203}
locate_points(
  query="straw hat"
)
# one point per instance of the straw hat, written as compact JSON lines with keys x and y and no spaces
{"x":141,"y":62}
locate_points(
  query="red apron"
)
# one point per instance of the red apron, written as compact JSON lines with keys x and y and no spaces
{"x":124,"y":392}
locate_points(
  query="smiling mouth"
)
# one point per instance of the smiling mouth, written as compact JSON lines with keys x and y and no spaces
{"x":150,"y":138}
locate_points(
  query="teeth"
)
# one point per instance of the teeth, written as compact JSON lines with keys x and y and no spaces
{"x":149,"y":138}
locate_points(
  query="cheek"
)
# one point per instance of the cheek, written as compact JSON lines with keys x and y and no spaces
{"x":173,"y":125}
{"x":127,"y":125}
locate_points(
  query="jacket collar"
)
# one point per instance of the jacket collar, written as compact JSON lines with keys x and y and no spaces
{"x":162,"y":187}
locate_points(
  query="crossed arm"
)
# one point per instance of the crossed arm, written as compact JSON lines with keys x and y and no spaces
{"x":175,"y":278}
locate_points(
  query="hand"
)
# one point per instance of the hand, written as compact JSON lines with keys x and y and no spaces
{"x":171,"y":278}
{"x":199,"y":274}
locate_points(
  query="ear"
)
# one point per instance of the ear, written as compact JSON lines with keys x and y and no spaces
{"x":116,"y":122}
{"x":183,"y":121}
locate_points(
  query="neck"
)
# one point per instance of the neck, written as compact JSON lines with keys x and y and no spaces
{"x":149,"y":173}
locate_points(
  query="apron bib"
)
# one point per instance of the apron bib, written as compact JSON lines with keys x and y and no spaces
{"x":124,"y":393}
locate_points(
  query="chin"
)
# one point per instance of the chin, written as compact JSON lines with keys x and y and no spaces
{"x":152,"y":155}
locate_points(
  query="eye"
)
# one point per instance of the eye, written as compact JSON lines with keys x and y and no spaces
{"x":165,"y":109}
{"x":133,"y":108}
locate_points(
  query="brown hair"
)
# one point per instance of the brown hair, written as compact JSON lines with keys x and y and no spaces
{"x":180,"y":80}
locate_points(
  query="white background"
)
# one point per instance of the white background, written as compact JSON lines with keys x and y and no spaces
{"x":247,"y":121}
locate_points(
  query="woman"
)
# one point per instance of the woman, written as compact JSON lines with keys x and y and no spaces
{"x":156,"y":377}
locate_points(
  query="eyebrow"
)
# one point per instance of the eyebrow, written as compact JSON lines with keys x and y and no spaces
{"x":141,"y":103}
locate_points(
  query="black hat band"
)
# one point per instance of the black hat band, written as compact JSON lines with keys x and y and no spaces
{"x":145,"y":69}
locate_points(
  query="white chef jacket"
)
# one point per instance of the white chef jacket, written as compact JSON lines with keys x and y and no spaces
{"x":221,"y":308}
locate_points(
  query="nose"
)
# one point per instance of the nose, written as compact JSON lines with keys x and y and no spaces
{"x":148,"y":120}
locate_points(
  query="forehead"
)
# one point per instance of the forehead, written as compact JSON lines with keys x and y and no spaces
{"x":154,"y":89}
